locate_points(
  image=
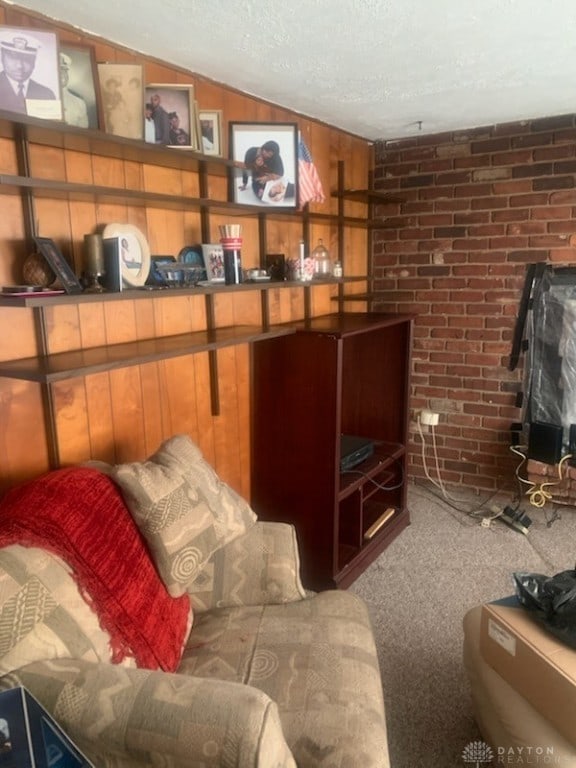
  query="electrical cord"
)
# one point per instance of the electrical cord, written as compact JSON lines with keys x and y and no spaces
{"x":448,"y":497}
{"x":438,"y":483}
{"x":374,"y":482}
{"x":537,"y":494}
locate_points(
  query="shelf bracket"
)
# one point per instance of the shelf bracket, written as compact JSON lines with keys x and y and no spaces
{"x":27,"y":196}
{"x":212,"y":357}
{"x":204,"y":211}
{"x":262,"y":239}
{"x":265,"y":310}
{"x":49,"y":409}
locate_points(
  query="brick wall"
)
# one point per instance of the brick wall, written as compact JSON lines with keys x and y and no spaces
{"x":476,"y":207}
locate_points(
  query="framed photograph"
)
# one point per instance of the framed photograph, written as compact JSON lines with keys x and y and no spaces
{"x":60,"y":266}
{"x":171,"y":116}
{"x":157,"y":276}
{"x":78,"y":79}
{"x":211,"y":131}
{"x":265,"y":171}
{"x":30,"y":72}
{"x":122,"y":98}
{"x":213,"y":256}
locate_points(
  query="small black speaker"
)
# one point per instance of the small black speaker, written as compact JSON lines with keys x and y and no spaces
{"x":545,"y":442}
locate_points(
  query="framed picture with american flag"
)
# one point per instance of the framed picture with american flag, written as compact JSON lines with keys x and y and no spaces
{"x":265,"y":164}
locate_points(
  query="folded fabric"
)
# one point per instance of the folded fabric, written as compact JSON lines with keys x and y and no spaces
{"x":79,"y":514}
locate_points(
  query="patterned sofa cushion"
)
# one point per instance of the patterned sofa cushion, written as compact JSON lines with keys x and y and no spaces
{"x":184,"y":511}
{"x":262,"y":566}
{"x":315,"y":658}
{"x":42,"y":614}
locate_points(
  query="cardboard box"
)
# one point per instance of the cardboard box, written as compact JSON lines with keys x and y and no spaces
{"x":532,"y":661}
{"x":30,"y":738}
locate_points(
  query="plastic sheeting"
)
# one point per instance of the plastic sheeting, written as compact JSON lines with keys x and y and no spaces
{"x":550,"y":365}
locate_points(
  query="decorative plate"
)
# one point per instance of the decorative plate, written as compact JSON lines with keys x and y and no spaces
{"x":134,"y":253}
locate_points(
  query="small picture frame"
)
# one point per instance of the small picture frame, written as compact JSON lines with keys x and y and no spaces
{"x":265,"y":164}
{"x":156,"y":277}
{"x":213,"y":255}
{"x":30,"y":73}
{"x":79,"y":82}
{"x":122,"y":98}
{"x":59,"y":265}
{"x":211,"y":131}
{"x":170,"y":116}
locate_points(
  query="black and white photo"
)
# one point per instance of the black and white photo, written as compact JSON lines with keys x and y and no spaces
{"x":30,"y":72}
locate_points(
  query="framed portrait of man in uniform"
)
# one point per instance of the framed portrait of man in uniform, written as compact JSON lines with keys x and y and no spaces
{"x":30,"y":72}
{"x":78,"y":80}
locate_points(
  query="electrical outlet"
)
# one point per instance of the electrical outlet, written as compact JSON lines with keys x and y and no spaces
{"x":429,"y":418}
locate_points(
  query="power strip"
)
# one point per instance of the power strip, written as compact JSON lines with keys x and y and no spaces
{"x":516,"y":519}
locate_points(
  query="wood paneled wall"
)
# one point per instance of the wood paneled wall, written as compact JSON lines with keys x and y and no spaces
{"x":123,"y":415}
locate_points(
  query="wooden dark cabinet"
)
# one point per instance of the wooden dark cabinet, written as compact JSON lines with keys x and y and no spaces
{"x":345,"y":373}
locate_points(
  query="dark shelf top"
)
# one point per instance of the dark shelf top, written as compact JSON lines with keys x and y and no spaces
{"x":66,"y":365}
{"x":368,"y":196}
{"x":37,"y":300}
{"x":56,"y":133}
{"x":350,"y":323}
{"x":385,"y":455}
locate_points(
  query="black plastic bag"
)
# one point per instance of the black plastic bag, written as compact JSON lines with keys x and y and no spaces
{"x":552,"y":601}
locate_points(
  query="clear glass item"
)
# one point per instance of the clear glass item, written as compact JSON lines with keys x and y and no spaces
{"x":322,"y":262}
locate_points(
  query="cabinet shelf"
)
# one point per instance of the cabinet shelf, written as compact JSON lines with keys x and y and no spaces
{"x":66,"y":365}
{"x":385,"y":454}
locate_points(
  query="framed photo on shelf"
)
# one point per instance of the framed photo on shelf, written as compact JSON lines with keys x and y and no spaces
{"x":122,"y":99}
{"x":171,"y":117}
{"x":30,"y":73}
{"x":211,"y":131}
{"x":265,"y":157}
{"x":60,"y":266}
{"x":80,"y":91}
{"x":213,"y":255}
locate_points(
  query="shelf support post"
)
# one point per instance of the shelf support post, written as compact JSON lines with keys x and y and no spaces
{"x":27,"y":196}
{"x":49,"y":409}
{"x":212,"y":357}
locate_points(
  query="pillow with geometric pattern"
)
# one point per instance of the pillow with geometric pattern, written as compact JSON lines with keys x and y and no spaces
{"x":42,"y":613}
{"x":182,"y":508}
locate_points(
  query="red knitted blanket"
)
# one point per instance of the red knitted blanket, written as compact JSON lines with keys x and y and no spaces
{"x":79,"y":514}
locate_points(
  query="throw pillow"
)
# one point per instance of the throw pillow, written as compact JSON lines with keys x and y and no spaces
{"x":79,"y":514}
{"x":42,"y":614}
{"x":185,"y":512}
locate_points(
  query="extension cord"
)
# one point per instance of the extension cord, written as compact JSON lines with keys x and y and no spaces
{"x":517,"y":520}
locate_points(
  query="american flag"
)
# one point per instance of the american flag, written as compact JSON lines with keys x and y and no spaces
{"x":310,"y":187}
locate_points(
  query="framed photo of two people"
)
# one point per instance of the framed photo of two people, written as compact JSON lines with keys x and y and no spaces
{"x":265,"y":164}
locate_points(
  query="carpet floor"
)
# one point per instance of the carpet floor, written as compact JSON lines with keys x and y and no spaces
{"x":418,"y":591}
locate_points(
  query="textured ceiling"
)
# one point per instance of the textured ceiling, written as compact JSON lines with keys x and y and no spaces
{"x":381,"y":69}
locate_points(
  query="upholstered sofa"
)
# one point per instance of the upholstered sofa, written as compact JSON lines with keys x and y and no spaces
{"x":162,"y":624}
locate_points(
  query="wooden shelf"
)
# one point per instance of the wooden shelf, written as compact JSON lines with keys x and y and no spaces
{"x":368,"y":196}
{"x":137,"y":294}
{"x":384,"y":456}
{"x":55,"y":133}
{"x":67,"y":365}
